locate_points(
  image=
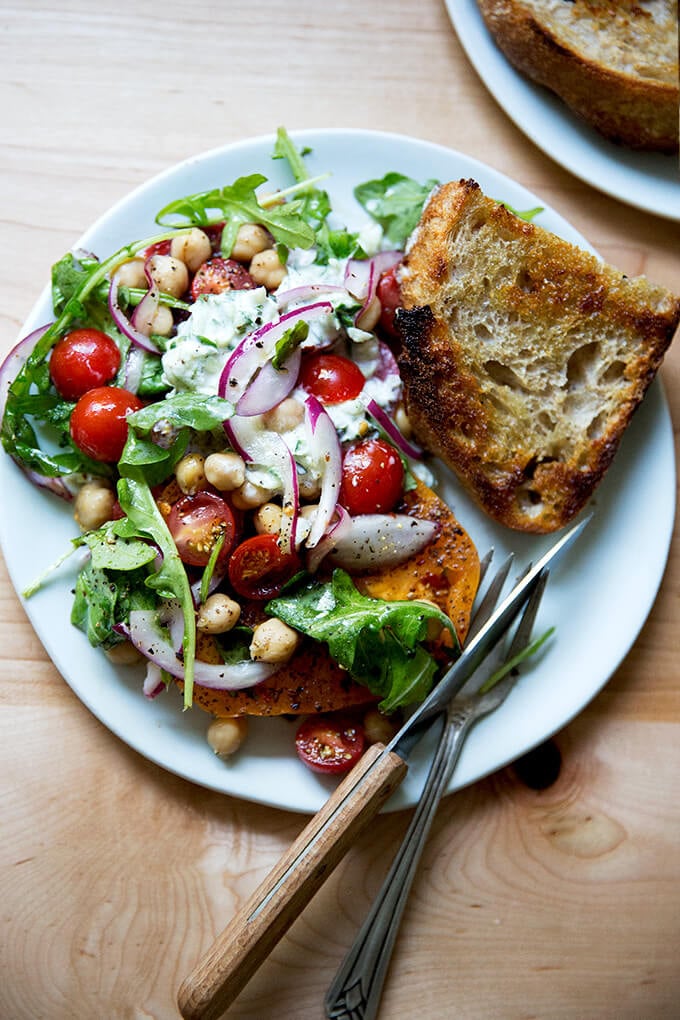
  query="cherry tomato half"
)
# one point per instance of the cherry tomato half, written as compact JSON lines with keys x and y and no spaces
{"x":333,"y":742}
{"x":331,"y":378}
{"x":258,"y":569}
{"x":218,"y":274}
{"x":196,"y":523}
{"x":372,"y":477}
{"x":98,"y":422}
{"x":81,"y":360}
{"x":389,"y":292}
{"x":159,"y":248}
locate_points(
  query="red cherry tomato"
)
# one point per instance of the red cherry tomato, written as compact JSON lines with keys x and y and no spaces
{"x":389,"y":292}
{"x":218,"y":274}
{"x":258,"y":569}
{"x":331,"y":378}
{"x":81,"y":360}
{"x":372,"y":477}
{"x":197,"y":522}
{"x":159,"y":248}
{"x":214,"y":232}
{"x":98,"y":422}
{"x":333,"y":742}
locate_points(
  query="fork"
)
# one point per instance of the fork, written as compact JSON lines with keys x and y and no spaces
{"x":356,"y":989}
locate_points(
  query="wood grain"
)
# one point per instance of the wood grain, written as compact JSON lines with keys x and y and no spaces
{"x":116,"y":876}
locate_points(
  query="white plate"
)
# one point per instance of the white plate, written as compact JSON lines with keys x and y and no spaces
{"x":598,"y":598}
{"x":649,"y":181}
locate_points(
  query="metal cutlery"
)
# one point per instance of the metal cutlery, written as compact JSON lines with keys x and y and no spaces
{"x":261,"y":922}
{"x":356,"y":989}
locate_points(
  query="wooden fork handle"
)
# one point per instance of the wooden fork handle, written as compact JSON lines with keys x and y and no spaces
{"x":246,"y":942}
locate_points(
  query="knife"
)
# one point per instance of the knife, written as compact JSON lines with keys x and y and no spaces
{"x":264,"y":918}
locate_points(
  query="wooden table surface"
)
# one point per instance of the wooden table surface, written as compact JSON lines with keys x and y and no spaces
{"x":115,"y":875}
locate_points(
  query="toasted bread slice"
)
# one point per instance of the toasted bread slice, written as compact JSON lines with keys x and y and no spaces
{"x":446,"y":572}
{"x":523,"y":356}
{"x":614,"y":64}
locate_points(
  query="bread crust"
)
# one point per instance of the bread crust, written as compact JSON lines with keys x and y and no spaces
{"x":523,"y":358}
{"x":626,"y":106}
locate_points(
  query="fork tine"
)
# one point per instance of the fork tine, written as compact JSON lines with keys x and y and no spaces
{"x":499,"y":691}
{"x":488,"y":602}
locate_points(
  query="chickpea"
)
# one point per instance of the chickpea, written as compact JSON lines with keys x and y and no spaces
{"x":93,"y":505}
{"x":226,"y":471}
{"x":267,"y":519}
{"x":285,"y":416}
{"x":249,"y":495}
{"x":161,"y":322}
{"x":266,"y":269}
{"x":368,"y":319}
{"x":309,"y":486}
{"x":169,"y":274}
{"x":131,"y":274}
{"x":192,"y":248}
{"x":378,"y":728}
{"x":250,"y":240}
{"x":225,"y":735}
{"x":402,"y":421}
{"x":190,"y":474}
{"x":273,"y":641}
{"x":124,"y":654}
{"x":218,"y":614}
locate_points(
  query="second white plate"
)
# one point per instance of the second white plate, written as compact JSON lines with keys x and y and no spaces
{"x":648,"y":181}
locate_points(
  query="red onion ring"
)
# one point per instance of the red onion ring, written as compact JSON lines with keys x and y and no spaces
{"x":325,"y":446}
{"x":124,"y":324}
{"x":386,"y":423}
{"x":307,"y":292}
{"x":363,"y":275}
{"x":336,"y":530}
{"x":143,"y":633}
{"x":270,"y":386}
{"x":258,"y":347}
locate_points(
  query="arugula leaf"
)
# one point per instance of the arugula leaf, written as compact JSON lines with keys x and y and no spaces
{"x":291,"y":339}
{"x":104,"y":598}
{"x":526,"y":214}
{"x":236,"y":204}
{"x":379,"y":643}
{"x":80,"y":286}
{"x":396,"y":202}
{"x":144,"y":520}
{"x":175,"y":416}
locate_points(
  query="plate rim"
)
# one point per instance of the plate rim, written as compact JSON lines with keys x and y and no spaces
{"x":461,"y":777}
{"x":640,"y":186}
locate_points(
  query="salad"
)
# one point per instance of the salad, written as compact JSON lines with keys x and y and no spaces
{"x":222,"y":405}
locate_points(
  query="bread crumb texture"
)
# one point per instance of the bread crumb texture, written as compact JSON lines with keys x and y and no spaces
{"x":524,"y":357}
{"x":614,"y":62}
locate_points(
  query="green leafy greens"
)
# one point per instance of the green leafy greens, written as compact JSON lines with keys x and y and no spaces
{"x":396,"y":202}
{"x":379,"y":643}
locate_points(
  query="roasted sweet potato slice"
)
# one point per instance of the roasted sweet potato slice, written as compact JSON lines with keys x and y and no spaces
{"x":445,"y":572}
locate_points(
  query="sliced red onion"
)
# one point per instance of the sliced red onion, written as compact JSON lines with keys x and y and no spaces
{"x":153,"y":681}
{"x":258,"y":445}
{"x":380,"y":540}
{"x":270,"y":386}
{"x":145,"y":312}
{"x":326,"y":451}
{"x":15,"y":361}
{"x":9,"y":370}
{"x":387,"y":363}
{"x":306,"y":293}
{"x":333,"y":533}
{"x":386,"y":423}
{"x":362,"y":276}
{"x":258,"y":347}
{"x":213,"y":585}
{"x":134,"y":364}
{"x":144,"y":634}
{"x":124,"y":324}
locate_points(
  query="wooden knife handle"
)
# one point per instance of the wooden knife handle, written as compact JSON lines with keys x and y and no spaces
{"x":246,"y":942}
